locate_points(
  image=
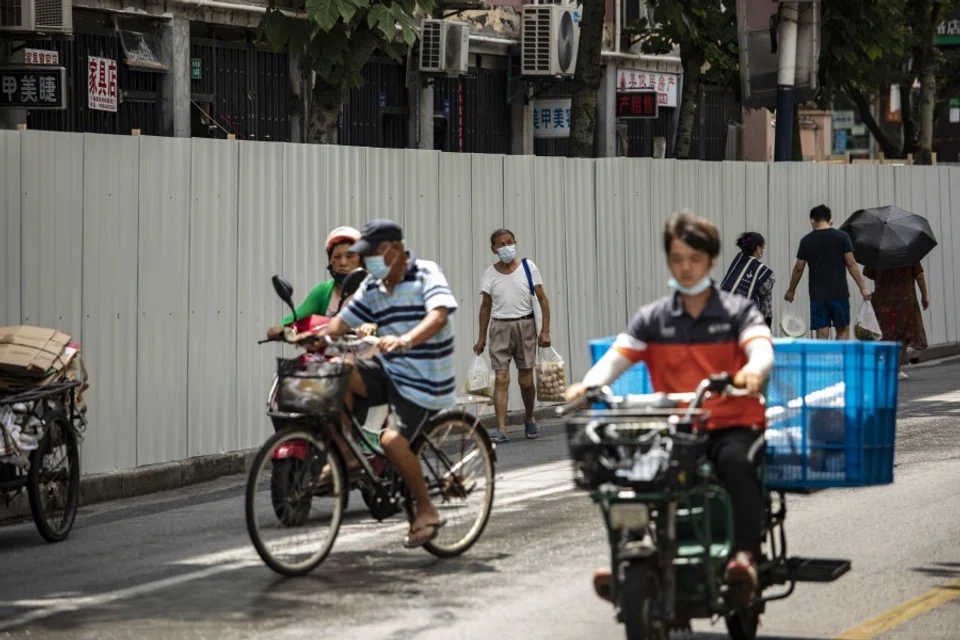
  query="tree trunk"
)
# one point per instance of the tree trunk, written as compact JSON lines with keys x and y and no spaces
{"x":908,"y":119}
{"x":927,"y":71}
{"x":890,"y":150}
{"x":586,"y":81}
{"x":325,"y":104}
{"x":692,"y":71}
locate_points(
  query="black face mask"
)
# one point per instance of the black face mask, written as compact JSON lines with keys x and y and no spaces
{"x":338,"y":278}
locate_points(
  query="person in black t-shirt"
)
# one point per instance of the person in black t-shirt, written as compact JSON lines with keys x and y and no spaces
{"x":829,"y":253}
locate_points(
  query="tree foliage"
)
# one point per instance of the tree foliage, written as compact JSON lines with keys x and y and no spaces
{"x":335,"y":39}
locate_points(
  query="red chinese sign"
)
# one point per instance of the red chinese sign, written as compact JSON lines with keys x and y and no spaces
{"x":102,"y":84}
{"x":637,"y":104}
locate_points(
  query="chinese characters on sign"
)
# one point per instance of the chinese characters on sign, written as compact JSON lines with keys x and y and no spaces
{"x":102,"y":84}
{"x":949,"y":28}
{"x":30,"y":87}
{"x":40,"y":56}
{"x":665,"y":84}
{"x":551,"y":118}
{"x":640,"y":104}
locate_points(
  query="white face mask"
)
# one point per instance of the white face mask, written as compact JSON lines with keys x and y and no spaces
{"x":507,"y":253}
{"x":696,"y":289}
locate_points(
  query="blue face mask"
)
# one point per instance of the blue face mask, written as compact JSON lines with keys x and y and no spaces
{"x":377,"y":267}
{"x":507,"y":253}
{"x":696,"y":289}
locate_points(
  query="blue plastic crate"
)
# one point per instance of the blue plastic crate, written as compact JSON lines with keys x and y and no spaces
{"x":831,"y":411}
{"x":636,"y":379}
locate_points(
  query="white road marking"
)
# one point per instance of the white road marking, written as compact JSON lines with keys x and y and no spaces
{"x":512,"y":487}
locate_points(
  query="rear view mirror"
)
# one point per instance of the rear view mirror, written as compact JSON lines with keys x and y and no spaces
{"x":285,"y":292}
{"x":352,"y":282}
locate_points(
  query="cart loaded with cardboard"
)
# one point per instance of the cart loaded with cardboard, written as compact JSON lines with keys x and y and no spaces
{"x":42,"y":421}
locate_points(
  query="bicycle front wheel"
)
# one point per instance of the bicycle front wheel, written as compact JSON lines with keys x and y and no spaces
{"x":457,"y":461}
{"x":296,"y":497}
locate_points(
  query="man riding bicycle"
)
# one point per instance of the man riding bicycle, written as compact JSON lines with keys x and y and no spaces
{"x":696,"y":332}
{"x":410,"y":302}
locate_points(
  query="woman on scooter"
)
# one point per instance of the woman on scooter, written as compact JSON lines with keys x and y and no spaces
{"x":326,"y":298}
{"x":693,"y":333}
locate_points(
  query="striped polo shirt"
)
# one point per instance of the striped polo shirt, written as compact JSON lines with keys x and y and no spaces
{"x":680,"y":350}
{"x":424,"y":375}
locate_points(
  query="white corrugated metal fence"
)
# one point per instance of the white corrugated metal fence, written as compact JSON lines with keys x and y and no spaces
{"x":156,"y":253}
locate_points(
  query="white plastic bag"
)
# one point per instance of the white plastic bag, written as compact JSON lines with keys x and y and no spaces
{"x":792,"y":322}
{"x":868,"y":327}
{"x":480,"y":378}
{"x":551,"y":375}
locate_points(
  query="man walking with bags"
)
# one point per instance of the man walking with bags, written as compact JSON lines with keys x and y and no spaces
{"x":507,"y":290}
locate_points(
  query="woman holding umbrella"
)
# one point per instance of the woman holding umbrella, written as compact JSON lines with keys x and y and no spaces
{"x":897,"y":308}
{"x":890,"y":243}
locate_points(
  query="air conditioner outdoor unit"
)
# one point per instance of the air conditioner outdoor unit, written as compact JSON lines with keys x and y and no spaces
{"x":36,"y":16}
{"x":549,"y":38}
{"x":444,"y":47}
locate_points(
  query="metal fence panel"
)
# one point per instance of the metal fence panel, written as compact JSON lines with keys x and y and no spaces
{"x":580,"y":250}
{"x":666,"y":197}
{"x":733,"y":211}
{"x":612,"y":247}
{"x":163,"y":268}
{"x":455,"y":251}
{"x":549,"y":242}
{"x":10,"y":228}
{"x":305,"y":223}
{"x":422,"y":202}
{"x":950,"y":232}
{"x":635,"y":175}
{"x":110,"y":201}
{"x":259,"y":256}
{"x":386,"y":185}
{"x":211,"y":391}
{"x":52,"y":250}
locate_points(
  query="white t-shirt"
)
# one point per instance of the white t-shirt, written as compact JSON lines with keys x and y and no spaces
{"x":510,"y":292}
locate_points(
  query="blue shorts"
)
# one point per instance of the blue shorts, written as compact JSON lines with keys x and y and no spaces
{"x":834,"y":313}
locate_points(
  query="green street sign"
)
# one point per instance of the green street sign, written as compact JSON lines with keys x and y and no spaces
{"x":196,"y":72}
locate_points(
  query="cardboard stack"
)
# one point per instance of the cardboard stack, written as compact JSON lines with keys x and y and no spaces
{"x":34,"y":356}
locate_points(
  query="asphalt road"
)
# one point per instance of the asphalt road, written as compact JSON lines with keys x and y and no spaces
{"x":178,"y":565}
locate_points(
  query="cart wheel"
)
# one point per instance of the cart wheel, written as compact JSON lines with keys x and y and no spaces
{"x":53,"y":481}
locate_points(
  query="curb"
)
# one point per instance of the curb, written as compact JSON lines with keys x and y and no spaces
{"x":166,"y":476}
{"x":935,"y":352}
{"x":130,"y":483}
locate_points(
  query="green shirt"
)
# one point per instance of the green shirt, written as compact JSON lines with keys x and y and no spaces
{"x":315,"y":303}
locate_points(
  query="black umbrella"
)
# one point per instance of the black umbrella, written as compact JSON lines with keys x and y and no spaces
{"x":888,"y":237}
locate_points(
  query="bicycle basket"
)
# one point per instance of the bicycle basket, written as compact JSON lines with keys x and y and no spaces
{"x":649,"y":451}
{"x":314,"y":387}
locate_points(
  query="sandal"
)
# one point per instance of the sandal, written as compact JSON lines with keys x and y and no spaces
{"x":497,"y":436}
{"x":532,"y":430}
{"x":410,"y":542}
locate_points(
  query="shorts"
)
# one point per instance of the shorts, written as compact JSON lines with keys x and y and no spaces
{"x":833,"y":313}
{"x":513,"y":340}
{"x":411,"y":418}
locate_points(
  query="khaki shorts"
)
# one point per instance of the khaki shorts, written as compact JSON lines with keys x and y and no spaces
{"x":513,"y":340}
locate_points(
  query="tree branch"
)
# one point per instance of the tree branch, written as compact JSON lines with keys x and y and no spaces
{"x":889,"y":149}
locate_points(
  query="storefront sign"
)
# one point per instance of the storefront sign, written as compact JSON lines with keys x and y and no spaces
{"x":843,"y":119}
{"x":948,"y":32}
{"x":551,"y":118}
{"x":665,"y":84}
{"x":640,"y":104}
{"x":102,"y":84}
{"x":33,"y":87}
{"x":196,"y":69}
{"x":41,"y":56}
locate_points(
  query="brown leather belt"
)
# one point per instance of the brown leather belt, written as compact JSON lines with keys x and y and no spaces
{"x":526,"y":317}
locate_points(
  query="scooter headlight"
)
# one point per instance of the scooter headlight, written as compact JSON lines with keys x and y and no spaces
{"x":629,"y":516}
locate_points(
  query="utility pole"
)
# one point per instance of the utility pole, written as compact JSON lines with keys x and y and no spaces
{"x":786,"y":79}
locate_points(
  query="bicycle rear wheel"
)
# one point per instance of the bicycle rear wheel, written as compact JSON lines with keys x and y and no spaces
{"x":53,"y":481}
{"x":295,"y":500}
{"x":457,"y":461}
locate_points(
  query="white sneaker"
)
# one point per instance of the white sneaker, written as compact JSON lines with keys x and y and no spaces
{"x":903,"y":376}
